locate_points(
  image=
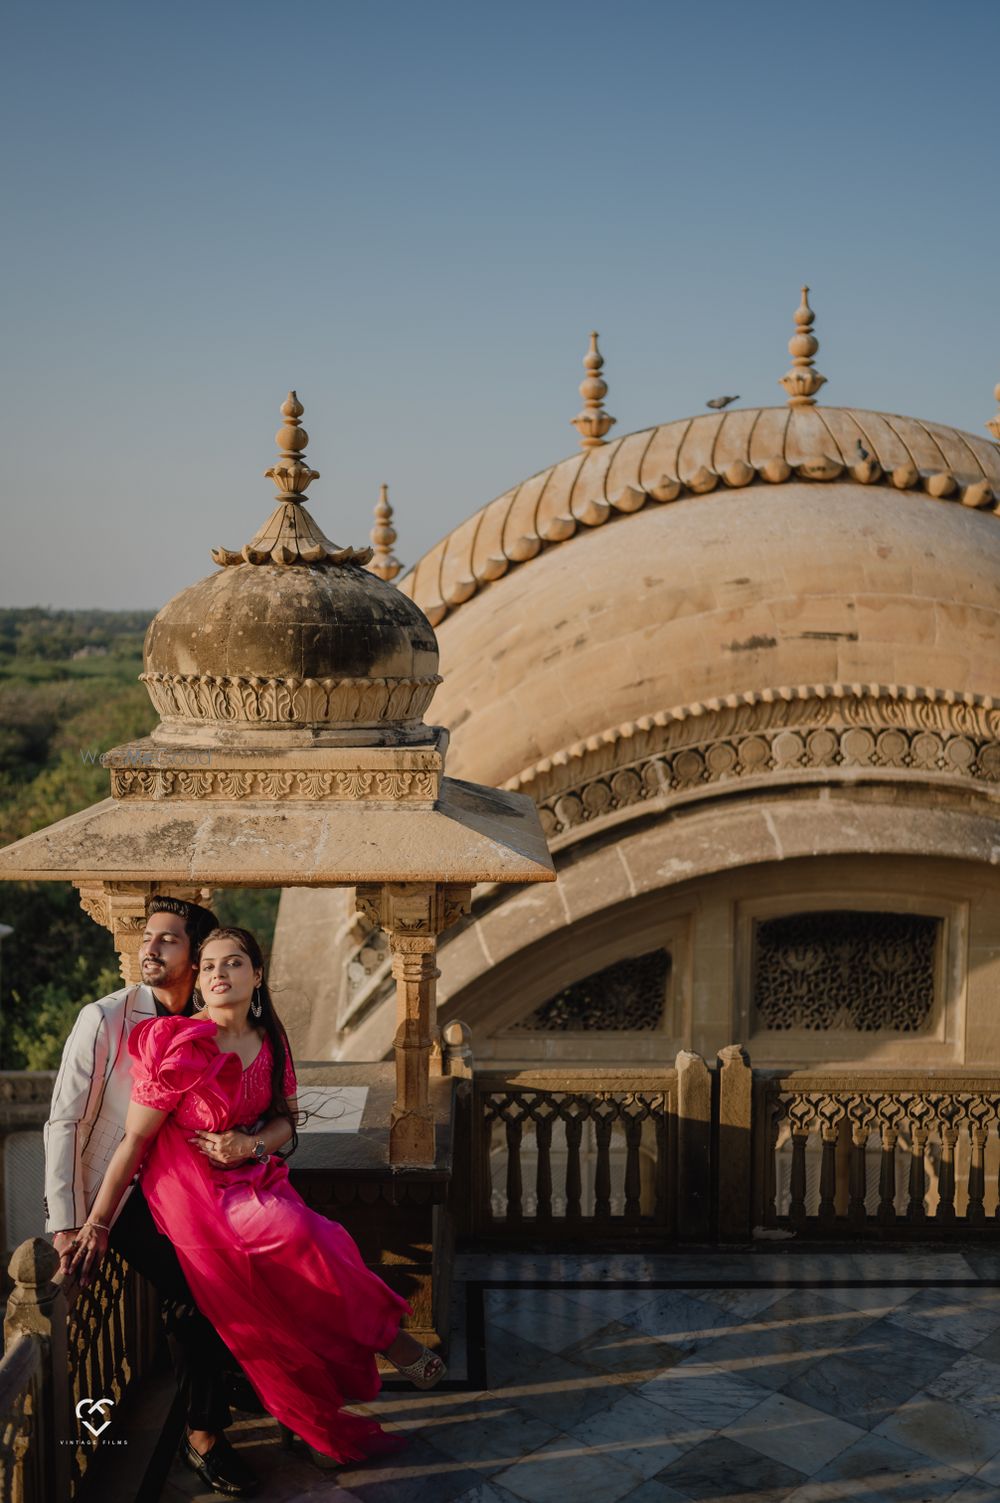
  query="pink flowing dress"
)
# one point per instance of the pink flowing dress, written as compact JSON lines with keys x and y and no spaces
{"x":285,"y":1288}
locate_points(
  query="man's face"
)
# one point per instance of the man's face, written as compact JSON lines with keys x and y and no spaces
{"x":165,"y":952}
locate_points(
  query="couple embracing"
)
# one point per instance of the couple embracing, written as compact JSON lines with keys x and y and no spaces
{"x":171,"y":1107}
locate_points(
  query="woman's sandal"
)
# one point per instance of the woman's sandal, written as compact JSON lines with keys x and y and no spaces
{"x":426,"y":1369}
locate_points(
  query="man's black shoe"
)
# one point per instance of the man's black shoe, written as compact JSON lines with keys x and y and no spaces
{"x":221,"y":1468}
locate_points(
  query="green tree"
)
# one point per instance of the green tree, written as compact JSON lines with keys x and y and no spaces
{"x":57,"y":715}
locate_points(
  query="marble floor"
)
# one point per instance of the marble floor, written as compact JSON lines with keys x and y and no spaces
{"x":775,"y":1375}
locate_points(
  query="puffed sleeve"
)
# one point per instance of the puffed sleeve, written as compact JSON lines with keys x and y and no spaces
{"x":168,"y":1059}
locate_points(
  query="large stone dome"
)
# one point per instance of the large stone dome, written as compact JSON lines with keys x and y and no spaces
{"x":747,"y":664}
{"x":292,"y":636}
{"x":796,"y":553}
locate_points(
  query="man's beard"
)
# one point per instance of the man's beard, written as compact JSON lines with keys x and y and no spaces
{"x":158,"y":973}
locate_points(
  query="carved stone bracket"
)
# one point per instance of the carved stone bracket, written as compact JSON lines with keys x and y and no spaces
{"x":413,"y":914}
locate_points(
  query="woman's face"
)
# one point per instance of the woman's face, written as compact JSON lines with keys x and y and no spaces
{"x":226,"y":977}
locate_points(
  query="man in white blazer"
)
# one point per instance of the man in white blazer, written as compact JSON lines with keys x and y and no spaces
{"x":87,"y":1122}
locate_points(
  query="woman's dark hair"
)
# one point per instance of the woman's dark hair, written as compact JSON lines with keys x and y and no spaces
{"x":272,"y":1026}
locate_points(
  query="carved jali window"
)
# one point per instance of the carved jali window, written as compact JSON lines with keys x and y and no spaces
{"x":845,"y":969}
{"x":629,"y":995}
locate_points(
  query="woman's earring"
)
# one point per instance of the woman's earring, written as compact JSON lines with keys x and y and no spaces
{"x":256,"y":1006}
{"x":199,"y":1000}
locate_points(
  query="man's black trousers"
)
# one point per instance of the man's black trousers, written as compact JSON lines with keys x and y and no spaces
{"x":200,"y":1357}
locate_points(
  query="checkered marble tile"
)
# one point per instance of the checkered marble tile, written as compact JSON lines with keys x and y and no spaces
{"x":752,"y":1390}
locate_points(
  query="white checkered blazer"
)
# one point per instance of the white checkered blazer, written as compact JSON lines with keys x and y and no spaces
{"x":89,"y":1101}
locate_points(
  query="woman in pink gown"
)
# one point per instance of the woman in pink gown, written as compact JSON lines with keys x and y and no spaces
{"x":285,"y":1287}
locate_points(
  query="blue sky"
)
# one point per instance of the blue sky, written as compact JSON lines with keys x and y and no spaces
{"x":414,"y":214}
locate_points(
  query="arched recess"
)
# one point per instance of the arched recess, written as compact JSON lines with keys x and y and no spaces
{"x":685,"y":883}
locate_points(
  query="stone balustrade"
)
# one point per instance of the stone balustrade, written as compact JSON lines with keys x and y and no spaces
{"x":71,"y":1356}
{"x":723,"y":1154}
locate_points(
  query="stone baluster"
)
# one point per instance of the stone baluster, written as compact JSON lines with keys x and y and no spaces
{"x":574,"y":1183}
{"x":797,"y":1198}
{"x":543,"y":1171}
{"x":946,"y":1172}
{"x":515,"y":1207}
{"x":975,"y":1211}
{"x":916,"y":1209}
{"x":887,"y":1176}
{"x":604,"y":1122}
{"x":857,"y":1176}
{"x":828,"y":1173}
{"x":633,"y":1173}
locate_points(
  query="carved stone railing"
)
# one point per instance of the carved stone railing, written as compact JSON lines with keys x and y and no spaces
{"x":564,"y":1154}
{"x":726,"y":1154}
{"x":878,"y":1152}
{"x":66,"y":1348}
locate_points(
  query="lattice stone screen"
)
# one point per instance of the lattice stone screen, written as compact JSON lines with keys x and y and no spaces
{"x":628,"y":996}
{"x":845,"y":970}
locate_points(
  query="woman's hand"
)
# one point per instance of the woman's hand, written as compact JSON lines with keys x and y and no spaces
{"x":82,"y":1257}
{"x":224,"y":1148}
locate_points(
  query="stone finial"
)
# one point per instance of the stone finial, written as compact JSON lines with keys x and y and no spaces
{"x":290,"y":536}
{"x":592,"y":422}
{"x":291,"y":474}
{"x":802,"y":382}
{"x":994,"y":423}
{"x":384,"y":563}
{"x":34,"y":1263}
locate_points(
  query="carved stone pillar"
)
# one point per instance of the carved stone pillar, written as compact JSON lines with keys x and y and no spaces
{"x":123,"y":908}
{"x":413,"y":914}
{"x":411,"y":1129}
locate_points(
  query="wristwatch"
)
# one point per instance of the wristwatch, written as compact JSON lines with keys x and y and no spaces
{"x":259,"y":1151}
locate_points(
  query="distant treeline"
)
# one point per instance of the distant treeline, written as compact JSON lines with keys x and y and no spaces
{"x":69,"y":690}
{"x":53,"y":635}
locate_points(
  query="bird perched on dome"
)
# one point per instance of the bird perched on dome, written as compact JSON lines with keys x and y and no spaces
{"x":719,"y":402}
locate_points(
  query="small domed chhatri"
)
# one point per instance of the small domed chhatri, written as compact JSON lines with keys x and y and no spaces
{"x":292,"y":751}
{"x":292,"y":636}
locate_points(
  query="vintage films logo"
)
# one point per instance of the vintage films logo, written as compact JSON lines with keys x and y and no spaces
{"x":96,"y":1409}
